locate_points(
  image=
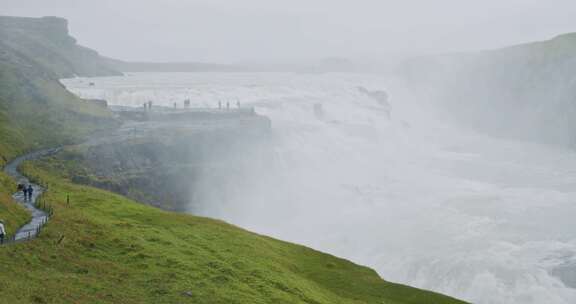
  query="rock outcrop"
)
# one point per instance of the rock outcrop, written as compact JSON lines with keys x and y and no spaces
{"x":524,"y":92}
{"x":167,"y":161}
{"x":46,"y":41}
{"x":35,"y":109}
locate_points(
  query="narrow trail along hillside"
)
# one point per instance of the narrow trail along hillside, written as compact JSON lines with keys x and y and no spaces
{"x":39,"y":217}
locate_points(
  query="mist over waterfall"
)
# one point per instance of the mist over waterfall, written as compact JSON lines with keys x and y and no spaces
{"x":385,"y":182}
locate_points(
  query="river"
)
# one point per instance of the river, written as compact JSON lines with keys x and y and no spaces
{"x":422,"y":201}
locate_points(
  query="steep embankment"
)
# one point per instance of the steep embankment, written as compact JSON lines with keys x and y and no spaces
{"x":105,"y":248}
{"x":13,"y":215}
{"x":164,"y":161}
{"x":525,"y":91}
{"x":46,"y":42}
{"x":35,"y":109}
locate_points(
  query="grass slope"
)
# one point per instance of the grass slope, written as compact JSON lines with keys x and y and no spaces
{"x":35,"y":109}
{"x":11,"y":213}
{"x":36,"y":112}
{"x":118,"y":251}
{"x":104,"y":248}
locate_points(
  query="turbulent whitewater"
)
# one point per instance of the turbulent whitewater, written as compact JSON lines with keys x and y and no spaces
{"x":390,"y":185}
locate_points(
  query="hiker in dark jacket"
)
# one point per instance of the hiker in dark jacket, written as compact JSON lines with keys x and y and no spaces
{"x":25,"y":191}
{"x":30,"y":191}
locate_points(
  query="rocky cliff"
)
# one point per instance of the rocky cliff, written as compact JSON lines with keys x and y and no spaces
{"x":35,"y":109}
{"x":525,"y":91}
{"x":46,"y":42}
{"x":169,"y":160}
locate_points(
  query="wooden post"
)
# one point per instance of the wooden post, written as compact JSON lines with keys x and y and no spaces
{"x":68,"y":200}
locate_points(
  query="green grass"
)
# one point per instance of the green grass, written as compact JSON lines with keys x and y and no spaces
{"x":36,"y":111}
{"x":29,"y":122}
{"x":105,"y":248}
{"x":118,"y":251}
{"x":12,"y":214}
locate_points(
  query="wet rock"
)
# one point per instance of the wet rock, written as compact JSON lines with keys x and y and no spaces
{"x":162,"y":162}
{"x":566,"y":274}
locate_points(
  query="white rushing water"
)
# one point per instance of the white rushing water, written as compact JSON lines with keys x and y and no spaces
{"x":421,"y":201}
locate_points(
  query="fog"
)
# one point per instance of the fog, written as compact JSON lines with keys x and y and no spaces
{"x":397,"y":185}
{"x":461,"y":182}
{"x":260,"y":31}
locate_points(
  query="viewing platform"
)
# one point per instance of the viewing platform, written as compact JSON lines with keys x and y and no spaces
{"x":163,"y":113}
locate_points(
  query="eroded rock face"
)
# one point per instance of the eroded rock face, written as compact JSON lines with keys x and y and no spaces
{"x":53,"y":26}
{"x":47,"y":42}
{"x":379,"y":96}
{"x":161,"y":162}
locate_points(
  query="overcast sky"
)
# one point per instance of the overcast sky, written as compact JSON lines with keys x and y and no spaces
{"x":234,"y":31}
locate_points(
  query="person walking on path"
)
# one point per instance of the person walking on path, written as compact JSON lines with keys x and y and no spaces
{"x":30,"y":191}
{"x":25,"y":191}
{"x":2,"y":232}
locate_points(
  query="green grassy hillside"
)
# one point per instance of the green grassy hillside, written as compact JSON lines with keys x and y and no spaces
{"x":118,"y":251}
{"x":35,"y":112}
{"x":105,"y":248}
{"x":35,"y":109}
{"x":11,"y":213}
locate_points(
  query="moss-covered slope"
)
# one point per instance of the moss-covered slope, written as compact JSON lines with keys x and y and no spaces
{"x":105,"y":248}
{"x":114,"y":250}
{"x":35,"y":109}
{"x":12,"y":214}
